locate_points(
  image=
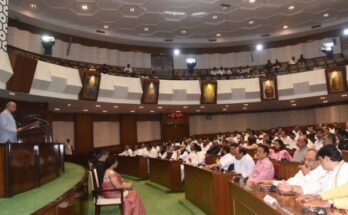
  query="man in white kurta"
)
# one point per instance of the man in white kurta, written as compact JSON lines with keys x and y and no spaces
{"x":8,"y":127}
{"x":127,"y":151}
{"x":244,"y":163}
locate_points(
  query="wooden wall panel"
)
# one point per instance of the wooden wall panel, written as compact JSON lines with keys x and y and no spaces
{"x":128,"y":129}
{"x":83,"y":134}
{"x":23,"y":73}
{"x":172,"y":129}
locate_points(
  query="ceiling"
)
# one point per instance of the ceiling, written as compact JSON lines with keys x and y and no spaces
{"x":189,"y":23}
{"x":80,"y":106}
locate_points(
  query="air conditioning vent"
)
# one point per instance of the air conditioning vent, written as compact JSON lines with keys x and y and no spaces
{"x":316,"y":26}
{"x":225,"y":5}
{"x":212,"y":40}
{"x":168,"y":40}
{"x":100,"y":32}
{"x":265,"y":35}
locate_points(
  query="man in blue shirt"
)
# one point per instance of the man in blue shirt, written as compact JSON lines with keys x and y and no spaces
{"x":8,"y":127}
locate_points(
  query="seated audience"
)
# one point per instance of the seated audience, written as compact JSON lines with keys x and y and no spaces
{"x":244,"y":163}
{"x":196,"y":156}
{"x":112,"y":180}
{"x":279,"y":152}
{"x":150,"y":152}
{"x":302,"y":148}
{"x":100,"y":164}
{"x":225,"y":160}
{"x":342,"y":136}
{"x":128,"y":69}
{"x":213,"y":72}
{"x":307,"y":179}
{"x":137,"y":151}
{"x":251,"y":144}
{"x":127,"y":151}
{"x":302,"y":60}
{"x":337,"y":198}
{"x":214,"y":149}
{"x":264,"y":169}
{"x":292,"y":61}
{"x":269,"y":66}
{"x":319,"y":139}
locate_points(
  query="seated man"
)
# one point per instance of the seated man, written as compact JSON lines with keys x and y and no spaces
{"x":196,"y":156}
{"x":100,"y":164}
{"x":264,"y":169}
{"x":127,"y":151}
{"x":292,"y":61}
{"x":244,"y":163}
{"x":226,"y":159}
{"x":307,"y":179}
{"x":302,"y":149}
{"x":128,"y":69}
{"x":337,"y":171}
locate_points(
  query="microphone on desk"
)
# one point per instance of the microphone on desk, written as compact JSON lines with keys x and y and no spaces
{"x":38,"y":118}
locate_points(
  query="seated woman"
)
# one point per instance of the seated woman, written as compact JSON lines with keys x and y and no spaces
{"x":279,"y":152}
{"x":112,"y":180}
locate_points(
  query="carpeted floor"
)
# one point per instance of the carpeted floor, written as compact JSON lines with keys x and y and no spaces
{"x":30,"y":201}
{"x":156,"y":201}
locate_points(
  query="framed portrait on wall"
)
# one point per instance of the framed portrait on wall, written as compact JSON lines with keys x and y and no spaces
{"x":268,"y":88}
{"x":90,"y":86}
{"x":208,"y":92}
{"x":150,"y":90}
{"x":336,"y":81}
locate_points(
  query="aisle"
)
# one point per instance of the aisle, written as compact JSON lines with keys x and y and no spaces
{"x":155,"y":201}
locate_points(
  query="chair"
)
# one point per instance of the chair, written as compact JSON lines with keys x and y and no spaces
{"x":97,"y":192}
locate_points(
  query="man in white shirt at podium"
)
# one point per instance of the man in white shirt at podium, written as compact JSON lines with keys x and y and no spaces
{"x":8,"y":127}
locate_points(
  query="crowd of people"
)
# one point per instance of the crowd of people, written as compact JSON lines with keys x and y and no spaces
{"x":317,"y":149}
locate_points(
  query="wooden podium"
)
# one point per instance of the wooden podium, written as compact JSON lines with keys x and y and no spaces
{"x":30,"y":164}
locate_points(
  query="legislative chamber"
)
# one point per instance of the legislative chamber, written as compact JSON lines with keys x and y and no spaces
{"x":221,"y":107}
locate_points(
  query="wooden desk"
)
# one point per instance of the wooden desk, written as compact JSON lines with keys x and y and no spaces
{"x":134,"y":166}
{"x":208,"y":190}
{"x":26,"y":166}
{"x":166,"y":173}
{"x":248,"y":200}
{"x":285,"y":169}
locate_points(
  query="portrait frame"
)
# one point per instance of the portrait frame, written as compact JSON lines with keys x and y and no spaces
{"x":90,"y":87}
{"x":150,"y":90}
{"x":208,"y":91}
{"x":336,"y":80}
{"x":268,"y":88}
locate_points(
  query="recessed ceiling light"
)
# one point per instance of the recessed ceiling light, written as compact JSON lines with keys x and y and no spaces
{"x":245,"y":108}
{"x":57,"y":109}
{"x":141,"y":107}
{"x":292,"y":101}
{"x":115,"y":106}
{"x":32,"y":5}
{"x":252,"y":1}
{"x":69,"y":105}
{"x":323,"y":97}
{"x":259,"y":47}
{"x":345,"y":32}
{"x":293,"y":104}
{"x":183,"y":31}
{"x":12,"y":93}
{"x":159,"y":107}
{"x":202,"y":107}
{"x":132,"y":9}
{"x":105,"y":111}
{"x":106,"y":26}
{"x":178,"y":111}
{"x":291,"y":7}
{"x":224,"y":109}
{"x":246,"y":105}
{"x":146,"y":29}
{"x":85,"y":110}
{"x":198,"y":110}
{"x":214,"y":17}
{"x":344,"y":95}
{"x":218,"y":34}
{"x":132,"y":111}
{"x":152,"y":111}
{"x":326,"y":15}
{"x":251,"y":22}
{"x":98,"y":106}
{"x":185,"y":107}
{"x":325,"y":101}
{"x":176,"y":52}
{"x":285,"y":26}
{"x":84,"y":7}
{"x":226,"y":105}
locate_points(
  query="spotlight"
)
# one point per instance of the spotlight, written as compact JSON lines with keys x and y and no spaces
{"x":47,"y":42}
{"x":176,"y":52}
{"x":259,"y":47}
{"x":345,"y":32}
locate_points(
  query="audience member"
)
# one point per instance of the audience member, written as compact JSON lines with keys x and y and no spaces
{"x":279,"y":152}
{"x":264,"y":169}
{"x":302,"y":148}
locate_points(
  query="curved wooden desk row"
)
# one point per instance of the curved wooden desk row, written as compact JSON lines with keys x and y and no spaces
{"x":70,"y":203}
{"x":26,"y":166}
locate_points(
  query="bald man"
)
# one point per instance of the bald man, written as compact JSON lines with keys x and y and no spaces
{"x":8,"y":127}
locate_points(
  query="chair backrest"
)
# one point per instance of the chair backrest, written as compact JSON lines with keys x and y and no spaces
{"x":94,"y":179}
